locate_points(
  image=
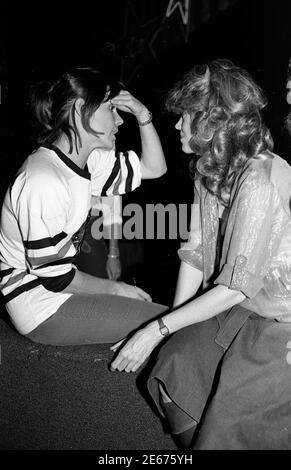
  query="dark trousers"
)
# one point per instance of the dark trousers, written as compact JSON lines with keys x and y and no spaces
{"x":86,"y":319}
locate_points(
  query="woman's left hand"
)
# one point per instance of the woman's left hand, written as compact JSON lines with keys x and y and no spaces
{"x":137,"y":349}
{"x":124,"y":101}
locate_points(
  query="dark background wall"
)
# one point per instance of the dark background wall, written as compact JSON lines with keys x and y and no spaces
{"x":135,"y":41}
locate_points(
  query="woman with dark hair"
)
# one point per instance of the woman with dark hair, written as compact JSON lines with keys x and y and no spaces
{"x":223,"y":381}
{"x":47,"y":205}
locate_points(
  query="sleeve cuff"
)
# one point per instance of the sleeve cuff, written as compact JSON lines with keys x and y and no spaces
{"x":237,"y":277}
{"x":58,"y":283}
{"x":192,"y":257}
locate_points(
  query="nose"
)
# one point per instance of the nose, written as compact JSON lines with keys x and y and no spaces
{"x":118,"y":119}
{"x":178,"y":124}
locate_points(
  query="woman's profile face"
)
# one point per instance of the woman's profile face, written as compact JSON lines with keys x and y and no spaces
{"x":105,"y":120}
{"x":184,"y":126}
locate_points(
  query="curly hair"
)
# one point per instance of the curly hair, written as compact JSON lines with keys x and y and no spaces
{"x":225,"y":105}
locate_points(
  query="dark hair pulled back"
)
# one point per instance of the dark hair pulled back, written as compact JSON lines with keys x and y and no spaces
{"x":53,"y":104}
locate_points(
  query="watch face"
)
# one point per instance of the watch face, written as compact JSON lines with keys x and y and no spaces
{"x":164,"y":330}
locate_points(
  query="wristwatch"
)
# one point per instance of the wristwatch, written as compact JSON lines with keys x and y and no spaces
{"x":164,"y":330}
{"x":144,"y":123}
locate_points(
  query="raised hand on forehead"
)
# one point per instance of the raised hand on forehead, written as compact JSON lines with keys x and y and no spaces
{"x":126,"y":102}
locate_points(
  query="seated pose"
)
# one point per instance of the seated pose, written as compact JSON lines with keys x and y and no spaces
{"x":223,"y":381}
{"x":47,"y":205}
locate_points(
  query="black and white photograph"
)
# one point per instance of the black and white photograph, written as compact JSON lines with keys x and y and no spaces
{"x":145,"y":231}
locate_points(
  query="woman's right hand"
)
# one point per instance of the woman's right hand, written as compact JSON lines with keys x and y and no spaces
{"x":134,"y":292}
{"x":137,"y":349}
{"x":126,"y":102}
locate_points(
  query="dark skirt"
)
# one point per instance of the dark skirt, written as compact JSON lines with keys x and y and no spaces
{"x":232,"y":375}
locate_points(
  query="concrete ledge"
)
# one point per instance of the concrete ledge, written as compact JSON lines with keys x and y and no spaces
{"x":66,"y":398}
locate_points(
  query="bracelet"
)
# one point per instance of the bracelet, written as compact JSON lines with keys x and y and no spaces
{"x":144,"y":123}
{"x":112,"y":256}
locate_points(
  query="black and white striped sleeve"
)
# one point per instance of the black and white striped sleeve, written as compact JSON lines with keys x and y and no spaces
{"x":49,"y":251}
{"x":114,"y":173}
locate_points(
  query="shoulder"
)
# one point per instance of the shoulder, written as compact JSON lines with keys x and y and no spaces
{"x":257,"y":172}
{"x":100,"y":155}
{"x":281,"y":179}
{"x":43,"y":168}
{"x":99,"y":158}
{"x":267,"y":169}
{"x":254,"y":182}
{"x":281,"y":170}
{"x":39,"y":177}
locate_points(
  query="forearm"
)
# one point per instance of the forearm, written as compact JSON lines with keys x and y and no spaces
{"x":84,"y":283}
{"x":188,"y":283}
{"x":113,"y":264}
{"x":138,"y":348}
{"x":202,"y":308}
{"x":113,"y":232}
{"x":153,"y":164}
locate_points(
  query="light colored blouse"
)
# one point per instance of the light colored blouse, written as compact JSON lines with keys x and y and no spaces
{"x":256,"y":251}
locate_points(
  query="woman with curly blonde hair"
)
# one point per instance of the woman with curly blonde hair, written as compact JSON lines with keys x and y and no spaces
{"x":223,"y":379}
{"x":226,"y":124}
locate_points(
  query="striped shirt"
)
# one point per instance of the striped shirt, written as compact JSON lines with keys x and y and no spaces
{"x":43,"y":221}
